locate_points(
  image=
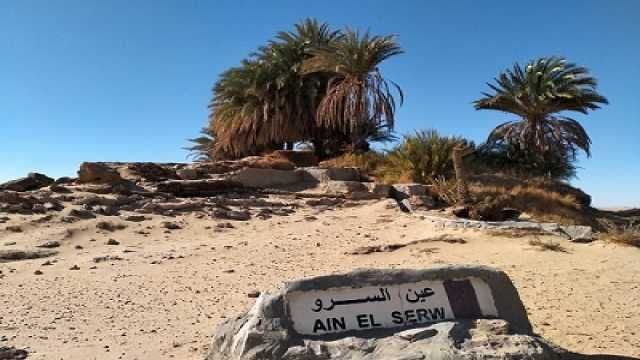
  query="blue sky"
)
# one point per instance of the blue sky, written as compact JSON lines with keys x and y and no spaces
{"x":130,"y":80}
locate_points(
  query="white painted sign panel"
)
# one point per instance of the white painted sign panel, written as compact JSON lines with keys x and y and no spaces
{"x":335,"y":310}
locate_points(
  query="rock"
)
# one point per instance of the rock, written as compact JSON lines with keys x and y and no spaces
{"x":298,"y":158}
{"x":38,"y":272}
{"x":11,"y":353}
{"x":423,"y":201}
{"x":15,"y":255}
{"x":242,"y":215}
{"x":325,"y":201}
{"x":253,"y":294}
{"x":109,"y":226}
{"x":56,"y":188}
{"x":74,"y":267}
{"x":187,"y":174}
{"x":267,"y":162}
{"x":80,"y":214}
{"x":14,"y":228}
{"x":171,"y":225}
{"x":135,"y":218}
{"x":99,"y":259}
{"x":32,"y":181}
{"x":578,"y":233}
{"x":266,"y":178}
{"x":225,"y":225}
{"x":147,"y":171}
{"x":49,"y":244}
{"x":98,"y":173}
{"x":323,"y":175}
{"x":112,"y":242}
{"x":162,"y":208}
{"x":411,"y":189}
{"x":382,"y":190}
{"x":64,"y":180}
{"x":198,"y":188}
{"x":343,"y":187}
{"x":269,"y":330}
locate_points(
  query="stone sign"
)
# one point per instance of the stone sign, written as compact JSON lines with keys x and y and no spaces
{"x":335,"y":310}
{"x":306,"y":317}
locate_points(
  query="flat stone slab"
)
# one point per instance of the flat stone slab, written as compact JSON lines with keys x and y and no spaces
{"x":368,"y":304}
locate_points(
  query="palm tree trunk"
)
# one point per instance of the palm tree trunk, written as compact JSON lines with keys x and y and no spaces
{"x":461,"y":175}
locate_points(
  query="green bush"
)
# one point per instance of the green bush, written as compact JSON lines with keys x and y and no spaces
{"x":421,"y":157}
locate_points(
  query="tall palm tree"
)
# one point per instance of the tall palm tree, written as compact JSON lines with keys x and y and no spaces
{"x":539,"y":93}
{"x":268,"y":99}
{"x":357,"y":94}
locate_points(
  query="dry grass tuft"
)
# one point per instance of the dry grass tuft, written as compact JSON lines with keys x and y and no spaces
{"x":547,"y":245}
{"x":624,"y":235}
{"x":369,"y":162}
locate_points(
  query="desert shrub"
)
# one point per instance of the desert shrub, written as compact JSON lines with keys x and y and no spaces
{"x":543,"y":199}
{"x":511,"y":160}
{"x":369,"y":162}
{"x":628,"y":234}
{"x":421,"y":157}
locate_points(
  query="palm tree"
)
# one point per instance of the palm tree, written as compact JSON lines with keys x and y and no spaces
{"x":268,"y":100}
{"x":202,"y":148}
{"x":357,"y":94}
{"x":539,"y":94}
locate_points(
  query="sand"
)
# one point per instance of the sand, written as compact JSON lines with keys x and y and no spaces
{"x":171,"y":288}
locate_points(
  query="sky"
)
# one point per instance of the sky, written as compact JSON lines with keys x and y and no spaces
{"x":122,"y":80}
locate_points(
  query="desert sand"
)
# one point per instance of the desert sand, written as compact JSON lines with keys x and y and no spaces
{"x":163,"y":292}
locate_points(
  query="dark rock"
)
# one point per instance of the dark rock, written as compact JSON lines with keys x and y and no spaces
{"x":171,"y":225}
{"x":33,"y":181}
{"x":56,"y":188}
{"x":325,"y":201}
{"x":266,"y":177}
{"x":98,"y":173}
{"x":38,"y":272}
{"x":135,"y":218}
{"x":198,"y":188}
{"x":11,"y":353}
{"x":100,"y":259}
{"x":64,"y":180}
{"x":112,"y":242}
{"x":49,"y":244}
{"x":253,"y":294}
{"x":15,"y":255}
{"x":242,"y":215}
{"x":14,"y":228}
{"x":74,"y":267}
{"x":80,"y":214}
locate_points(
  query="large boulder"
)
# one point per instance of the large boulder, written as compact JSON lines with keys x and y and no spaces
{"x":266,"y":178}
{"x":32,"y":181}
{"x":98,"y":173}
{"x":323,"y":175}
{"x":147,"y":171}
{"x":451,"y":312}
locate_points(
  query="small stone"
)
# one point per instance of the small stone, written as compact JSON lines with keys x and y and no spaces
{"x":79,"y":247}
{"x":171,"y":225}
{"x":14,"y":228}
{"x":135,"y":218}
{"x":113,"y":242}
{"x":9,"y":243}
{"x":49,"y":244}
{"x":74,"y":267}
{"x":229,"y":271}
{"x":253,"y":294}
{"x":38,"y":272}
